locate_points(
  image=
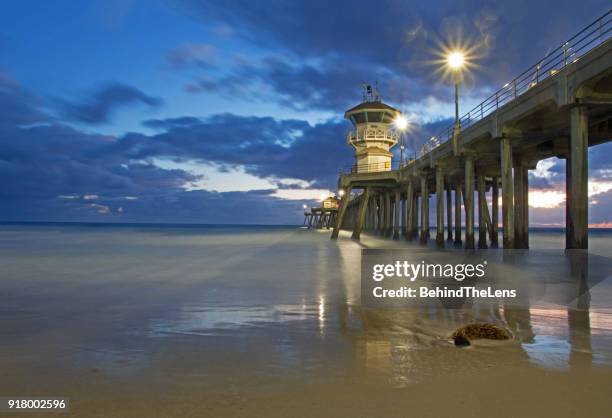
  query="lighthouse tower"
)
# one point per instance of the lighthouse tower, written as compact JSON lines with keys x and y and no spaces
{"x":374,"y":134}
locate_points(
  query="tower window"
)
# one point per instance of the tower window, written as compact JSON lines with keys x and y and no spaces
{"x":375,"y":116}
{"x":359,"y":117}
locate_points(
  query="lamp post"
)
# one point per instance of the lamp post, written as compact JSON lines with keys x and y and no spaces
{"x":401,"y":123}
{"x":456,"y":60}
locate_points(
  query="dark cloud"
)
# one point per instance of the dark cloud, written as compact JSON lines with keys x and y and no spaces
{"x":392,"y":32}
{"x":184,"y":121}
{"x":542,"y":183}
{"x":331,"y":85}
{"x":600,"y":161}
{"x":18,"y":106}
{"x":99,"y":107}
{"x":50,"y":171}
{"x":325,"y":50}
{"x":191,"y":55}
{"x":264,"y":146}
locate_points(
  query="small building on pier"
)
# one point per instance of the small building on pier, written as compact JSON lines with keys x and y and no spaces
{"x":322,"y":216}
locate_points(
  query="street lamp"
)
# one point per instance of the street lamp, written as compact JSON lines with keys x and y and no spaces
{"x":456,"y":61}
{"x":341,"y":192}
{"x":401,"y":124}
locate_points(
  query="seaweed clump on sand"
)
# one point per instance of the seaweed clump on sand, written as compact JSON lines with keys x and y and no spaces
{"x":466,"y":333}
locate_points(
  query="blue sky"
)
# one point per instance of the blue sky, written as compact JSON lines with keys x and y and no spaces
{"x":206,"y":111}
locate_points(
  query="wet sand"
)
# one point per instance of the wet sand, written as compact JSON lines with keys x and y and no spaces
{"x":135,"y":321}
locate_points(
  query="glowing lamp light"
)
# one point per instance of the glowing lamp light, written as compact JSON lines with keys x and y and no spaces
{"x":304,"y":206}
{"x":455,"y":60}
{"x":401,"y":122}
{"x":340,"y":192}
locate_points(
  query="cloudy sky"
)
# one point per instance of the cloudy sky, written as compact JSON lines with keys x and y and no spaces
{"x":231,"y":111}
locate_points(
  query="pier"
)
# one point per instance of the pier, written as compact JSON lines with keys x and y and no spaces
{"x":559,"y":107}
{"x":323,"y":216}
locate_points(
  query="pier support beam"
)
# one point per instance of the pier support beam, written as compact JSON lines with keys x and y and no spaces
{"x":411,"y":208}
{"x":388,"y":213}
{"x":404,"y":216}
{"x":361,"y":216}
{"x":482,"y":215}
{"x":368,"y":214}
{"x":507,"y":192}
{"x":469,"y":202}
{"x":521,"y":206}
{"x":379,"y":214}
{"x":341,"y":211}
{"x":374,"y":212}
{"x":415,"y":214}
{"x":494,"y":212}
{"x":576,"y":212}
{"x":439,"y":207}
{"x":385,"y":216}
{"x":449,"y":213}
{"x":380,"y":229}
{"x":396,"y":215}
{"x":424,"y":210}
{"x":457,"y":241}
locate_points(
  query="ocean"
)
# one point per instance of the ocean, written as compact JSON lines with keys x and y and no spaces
{"x":198,"y":320}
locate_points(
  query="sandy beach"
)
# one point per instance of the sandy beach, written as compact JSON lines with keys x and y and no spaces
{"x":170,"y":321}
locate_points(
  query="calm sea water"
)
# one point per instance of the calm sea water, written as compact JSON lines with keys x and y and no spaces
{"x":87,"y":308}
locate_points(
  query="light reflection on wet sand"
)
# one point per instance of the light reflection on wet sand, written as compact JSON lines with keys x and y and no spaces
{"x":95,"y":314}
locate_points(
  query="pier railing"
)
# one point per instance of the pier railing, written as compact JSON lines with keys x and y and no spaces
{"x":567,"y":53}
{"x":370,"y":168}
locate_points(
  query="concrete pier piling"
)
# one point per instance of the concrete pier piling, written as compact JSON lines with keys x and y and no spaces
{"x":388,"y":215}
{"x":469,"y":202}
{"x":404,"y":227}
{"x":449,"y":213}
{"x":396,"y":215}
{"x":457,"y":242}
{"x":482,"y":213}
{"x":521,"y":206}
{"x":361,"y":216}
{"x":439,"y":207}
{"x":410,"y":198}
{"x":424,"y":210}
{"x":415,"y":221}
{"x":577,"y":180}
{"x":494,"y":212}
{"x":507,"y":192}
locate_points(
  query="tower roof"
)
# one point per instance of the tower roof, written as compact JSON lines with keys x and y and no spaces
{"x":373,"y":106}
{"x":375,"y":111}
